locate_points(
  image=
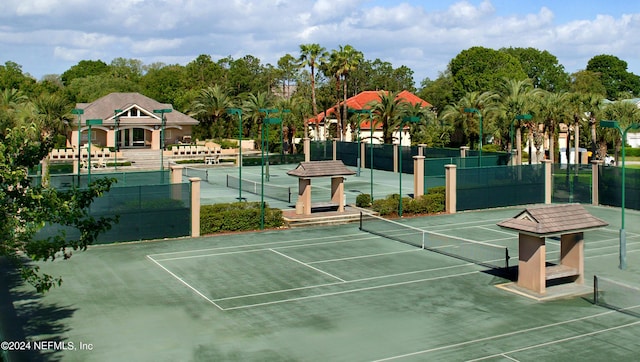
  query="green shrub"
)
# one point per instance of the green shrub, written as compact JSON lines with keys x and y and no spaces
{"x":386,"y":206}
{"x":237,"y":216}
{"x":431,"y":203}
{"x":632,"y":152}
{"x":363,"y":200}
{"x":437,"y":190}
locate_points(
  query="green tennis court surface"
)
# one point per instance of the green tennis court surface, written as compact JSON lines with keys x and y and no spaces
{"x":325,"y":294}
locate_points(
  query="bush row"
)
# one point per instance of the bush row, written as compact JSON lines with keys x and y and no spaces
{"x":431,"y":203}
{"x":237,"y":216}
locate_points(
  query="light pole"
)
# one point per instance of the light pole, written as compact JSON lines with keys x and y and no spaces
{"x":266,"y":111}
{"x":163,"y":120}
{"x":90,"y":122}
{"x":79,"y":112}
{"x":238,"y":112}
{"x":282,"y":137}
{"x":265,"y":124}
{"x":368,"y":111}
{"x":518,"y":117}
{"x":623,"y":235}
{"x":412,"y":119}
{"x":475,"y":110}
{"x":117,"y":121}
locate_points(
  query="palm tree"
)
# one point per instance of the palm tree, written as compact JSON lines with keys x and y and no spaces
{"x":551,"y":108}
{"x":11,"y":102}
{"x":210,"y":107}
{"x":312,"y":55}
{"x":252,"y":106}
{"x":466,"y":125}
{"x":515,"y":97}
{"x":343,"y":61}
{"x":624,"y":112}
{"x":52,"y":115}
{"x":389,"y":110}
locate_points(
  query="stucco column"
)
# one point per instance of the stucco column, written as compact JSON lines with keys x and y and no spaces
{"x":451,"y":189}
{"x":334,"y":148}
{"x":464,"y":151}
{"x":595,"y":179}
{"x":111,"y":138}
{"x":307,"y":149}
{"x":337,"y":192}
{"x":303,"y":205}
{"x":532,"y":263}
{"x":155,"y":139}
{"x":572,"y":253}
{"x":421,"y":148}
{"x":418,"y":176}
{"x":548,"y":181}
{"x":396,"y":150}
{"x":195,"y":206}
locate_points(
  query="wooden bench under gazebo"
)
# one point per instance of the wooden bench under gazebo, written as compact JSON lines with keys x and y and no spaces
{"x":569,"y":222}
{"x":314,"y":169}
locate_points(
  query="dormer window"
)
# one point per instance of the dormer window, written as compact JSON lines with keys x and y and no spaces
{"x":133,"y":112}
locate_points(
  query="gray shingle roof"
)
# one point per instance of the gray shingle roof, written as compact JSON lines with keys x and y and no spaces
{"x":553,"y":220}
{"x":320,"y":169}
{"x":102,"y":108}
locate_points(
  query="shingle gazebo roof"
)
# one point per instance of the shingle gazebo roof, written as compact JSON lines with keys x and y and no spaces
{"x":553,"y":220}
{"x":321,"y":169}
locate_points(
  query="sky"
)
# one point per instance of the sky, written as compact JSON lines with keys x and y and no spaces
{"x":50,"y":36}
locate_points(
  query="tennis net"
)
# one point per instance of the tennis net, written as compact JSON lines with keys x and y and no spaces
{"x":281,"y":193}
{"x":616,"y":295}
{"x":203,"y":173}
{"x":488,"y":255}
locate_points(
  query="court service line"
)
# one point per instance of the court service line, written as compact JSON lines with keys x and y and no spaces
{"x":502,"y":335}
{"x":558,"y":341}
{"x":307,"y":265}
{"x":252,"y":245}
{"x":513,"y":235}
{"x":346,"y":282}
{"x":246,"y":306}
{"x":364,"y":256}
{"x":266,"y":249}
{"x":185,"y":283}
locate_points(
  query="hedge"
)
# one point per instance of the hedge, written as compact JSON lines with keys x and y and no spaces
{"x":237,"y":216}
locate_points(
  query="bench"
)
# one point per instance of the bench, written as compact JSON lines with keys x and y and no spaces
{"x":560,"y":271}
{"x":324,"y":206}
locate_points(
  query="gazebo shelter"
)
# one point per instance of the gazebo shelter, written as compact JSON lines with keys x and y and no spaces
{"x":314,"y":169}
{"x":569,"y":222}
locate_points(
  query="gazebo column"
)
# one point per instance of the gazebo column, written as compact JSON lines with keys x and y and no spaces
{"x":532,"y":263}
{"x":572,"y":253}
{"x":303,"y":206}
{"x":337,"y":192}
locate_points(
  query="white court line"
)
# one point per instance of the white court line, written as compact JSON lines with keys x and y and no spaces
{"x":558,"y":341}
{"x":252,"y":245}
{"x":307,"y":265}
{"x":348,"y":291}
{"x":185,"y":283}
{"x":515,"y":235}
{"x":337,"y":283}
{"x":266,"y":248}
{"x":364,"y":256}
{"x":508,"y":334}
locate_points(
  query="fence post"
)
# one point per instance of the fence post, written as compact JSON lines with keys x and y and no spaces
{"x":307,"y":149}
{"x":548,"y":181}
{"x":418,"y":176}
{"x":451,"y":189}
{"x":464,"y":151}
{"x":195,"y":206}
{"x":176,"y":178}
{"x":595,"y":180}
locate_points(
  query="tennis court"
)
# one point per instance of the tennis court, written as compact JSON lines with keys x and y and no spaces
{"x":331,"y":293}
